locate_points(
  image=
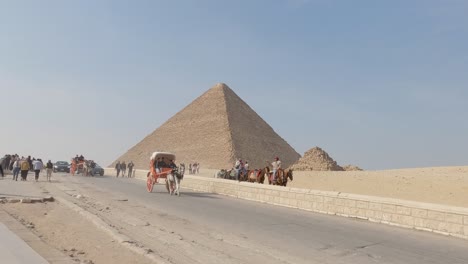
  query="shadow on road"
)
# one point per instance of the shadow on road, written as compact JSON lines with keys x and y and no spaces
{"x":200,"y":195}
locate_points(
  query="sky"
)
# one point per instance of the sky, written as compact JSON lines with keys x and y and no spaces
{"x":378,"y":84}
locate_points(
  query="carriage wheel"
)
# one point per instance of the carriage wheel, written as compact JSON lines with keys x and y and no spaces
{"x":149,"y":183}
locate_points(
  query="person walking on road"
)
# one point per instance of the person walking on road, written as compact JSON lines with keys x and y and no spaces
{"x":123,"y":168}
{"x":49,"y":168}
{"x":37,"y":166}
{"x":117,"y":168}
{"x":16,"y":169}
{"x":130,"y":169}
{"x":24,"y":169}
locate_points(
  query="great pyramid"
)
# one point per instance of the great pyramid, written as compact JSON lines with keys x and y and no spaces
{"x":316,"y":159}
{"x":214,"y":130}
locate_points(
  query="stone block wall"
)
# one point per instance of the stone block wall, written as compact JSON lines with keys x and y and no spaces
{"x":435,"y":218}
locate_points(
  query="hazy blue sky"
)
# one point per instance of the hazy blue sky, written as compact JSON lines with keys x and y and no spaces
{"x":379,"y":84}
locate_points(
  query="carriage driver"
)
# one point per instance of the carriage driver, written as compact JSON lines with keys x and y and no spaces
{"x":276,"y":165}
{"x":172,"y":165}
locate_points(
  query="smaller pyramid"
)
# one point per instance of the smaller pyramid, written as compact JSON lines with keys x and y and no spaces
{"x":316,"y":159}
{"x":352,"y":168}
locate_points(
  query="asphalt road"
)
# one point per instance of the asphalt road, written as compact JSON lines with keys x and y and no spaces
{"x":304,"y":235}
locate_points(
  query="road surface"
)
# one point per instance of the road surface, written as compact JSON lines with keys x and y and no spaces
{"x":211,"y":228}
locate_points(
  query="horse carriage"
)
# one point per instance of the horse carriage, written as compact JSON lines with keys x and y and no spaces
{"x":172,"y":174}
{"x":77,"y":166}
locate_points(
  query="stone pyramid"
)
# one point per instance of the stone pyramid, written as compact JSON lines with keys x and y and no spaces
{"x":214,"y":130}
{"x":316,"y":159}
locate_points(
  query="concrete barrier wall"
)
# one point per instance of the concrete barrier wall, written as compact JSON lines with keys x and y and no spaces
{"x":435,"y":218}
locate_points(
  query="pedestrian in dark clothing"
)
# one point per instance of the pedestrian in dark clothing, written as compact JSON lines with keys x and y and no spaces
{"x":49,"y":169}
{"x":30,"y":161}
{"x":123,"y":168}
{"x":117,"y":168}
{"x":130,"y":169}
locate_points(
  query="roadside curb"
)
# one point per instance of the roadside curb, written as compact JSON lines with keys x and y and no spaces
{"x":27,"y":200}
{"x":121,"y":238}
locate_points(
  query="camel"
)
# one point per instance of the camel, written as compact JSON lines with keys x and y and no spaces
{"x":282,"y":177}
{"x":258,"y":176}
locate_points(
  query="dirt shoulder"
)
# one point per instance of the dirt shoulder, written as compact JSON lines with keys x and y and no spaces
{"x":64,"y":230}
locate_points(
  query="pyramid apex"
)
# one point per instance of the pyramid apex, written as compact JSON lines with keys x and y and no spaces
{"x":220,"y":86}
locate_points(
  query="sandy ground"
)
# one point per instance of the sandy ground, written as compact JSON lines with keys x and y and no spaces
{"x":68,"y":232}
{"x":440,"y":185}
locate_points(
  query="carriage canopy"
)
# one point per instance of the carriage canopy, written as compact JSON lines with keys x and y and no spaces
{"x":165,"y":155}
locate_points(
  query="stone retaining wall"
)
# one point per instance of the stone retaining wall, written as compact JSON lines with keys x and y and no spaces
{"x":435,"y":218}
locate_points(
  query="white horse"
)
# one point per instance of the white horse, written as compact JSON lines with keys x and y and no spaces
{"x":173,"y":180}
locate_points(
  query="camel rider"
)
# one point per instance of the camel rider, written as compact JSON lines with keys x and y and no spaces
{"x":276,"y":165}
{"x":237,"y":167}
{"x":245,"y":167}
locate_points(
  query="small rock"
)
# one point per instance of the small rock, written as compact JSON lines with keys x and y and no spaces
{"x":26,"y":200}
{"x":107,"y":208}
{"x":78,"y":196}
{"x":45,"y":213}
{"x":81,"y":252}
{"x":36,"y":200}
{"x":14,"y":200}
{"x":48,"y":199}
{"x":73,"y":249}
{"x":148,"y":250}
{"x":71,"y":255}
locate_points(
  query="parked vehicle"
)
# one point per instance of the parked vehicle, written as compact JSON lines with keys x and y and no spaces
{"x":97,"y":170}
{"x":62,"y":166}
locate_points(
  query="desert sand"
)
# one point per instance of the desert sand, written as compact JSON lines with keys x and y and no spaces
{"x":441,"y":185}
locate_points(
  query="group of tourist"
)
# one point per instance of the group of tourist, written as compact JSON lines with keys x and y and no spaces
{"x":194,"y":168}
{"x":121,"y":167}
{"x":243,"y":167}
{"x":22,"y":166}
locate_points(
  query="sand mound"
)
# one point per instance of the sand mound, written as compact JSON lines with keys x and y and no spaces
{"x":352,"y":168}
{"x":316,"y":159}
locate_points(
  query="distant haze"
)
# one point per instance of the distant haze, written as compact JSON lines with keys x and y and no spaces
{"x":376,"y":84}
